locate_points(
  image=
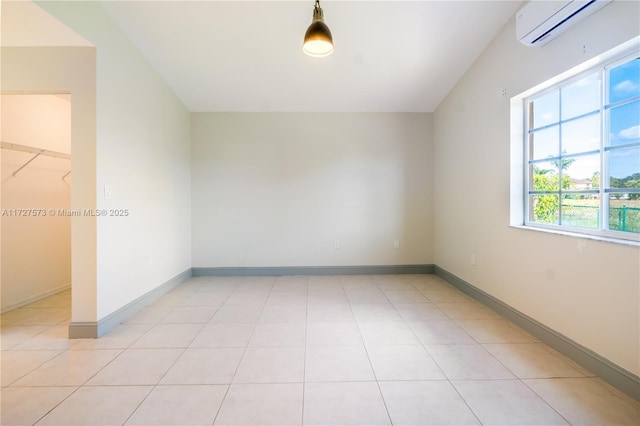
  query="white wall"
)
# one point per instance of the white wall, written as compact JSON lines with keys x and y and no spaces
{"x":143,"y":153}
{"x":585,"y":289}
{"x":277,"y":189}
{"x":36,"y":250}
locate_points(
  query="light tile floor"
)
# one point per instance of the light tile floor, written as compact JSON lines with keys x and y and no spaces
{"x":316,"y":350}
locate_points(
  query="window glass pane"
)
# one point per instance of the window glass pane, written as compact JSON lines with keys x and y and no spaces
{"x":546,"y":110}
{"x":581,"y":97}
{"x":544,"y":209}
{"x":624,"y":168}
{"x":581,"y":173}
{"x":624,"y":212}
{"x":581,"y":210}
{"x":583,"y":151}
{"x":624,"y":81}
{"x":624,"y":124}
{"x":543,"y":177}
{"x":545,"y":143}
{"x":581,"y":135}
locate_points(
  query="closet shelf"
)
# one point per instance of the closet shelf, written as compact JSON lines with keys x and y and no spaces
{"x":32,"y":150}
{"x":37,"y":151}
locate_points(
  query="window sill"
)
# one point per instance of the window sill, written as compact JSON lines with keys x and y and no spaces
{"x":579,"y":235}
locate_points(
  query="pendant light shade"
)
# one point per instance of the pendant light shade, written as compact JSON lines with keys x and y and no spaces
{"x":317,"y":39}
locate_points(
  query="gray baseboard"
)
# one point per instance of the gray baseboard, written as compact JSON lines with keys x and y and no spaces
{"x":84,"y":330}
{"x":613,"y":374}
{"x":313,"y":270}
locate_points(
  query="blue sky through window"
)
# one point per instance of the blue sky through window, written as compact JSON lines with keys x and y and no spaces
{"x":624,"y":120}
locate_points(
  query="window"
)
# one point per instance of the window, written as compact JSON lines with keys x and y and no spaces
{"x":582,"y":152}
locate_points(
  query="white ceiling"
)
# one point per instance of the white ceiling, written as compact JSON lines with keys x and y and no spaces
{"x":247,"y":55}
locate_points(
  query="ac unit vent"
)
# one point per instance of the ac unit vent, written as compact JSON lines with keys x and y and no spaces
{"x":538,"y":22}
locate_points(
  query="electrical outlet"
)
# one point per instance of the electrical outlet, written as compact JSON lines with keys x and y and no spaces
{"x":473,"y":260}
{"x":336,"y":244}
{"x":107,"y":192}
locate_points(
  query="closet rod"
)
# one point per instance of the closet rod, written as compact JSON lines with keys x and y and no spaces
{"x":32,"y":150}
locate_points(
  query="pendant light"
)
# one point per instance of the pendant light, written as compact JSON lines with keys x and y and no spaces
{"x":317,"y":39}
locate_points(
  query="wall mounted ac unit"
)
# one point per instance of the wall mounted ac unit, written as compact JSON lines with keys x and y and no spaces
{"x":538,"y":21}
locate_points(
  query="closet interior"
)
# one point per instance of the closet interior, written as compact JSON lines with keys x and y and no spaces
{"x":35,"y":198}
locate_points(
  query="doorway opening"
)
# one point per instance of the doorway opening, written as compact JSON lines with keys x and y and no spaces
{"x":36,"y":209}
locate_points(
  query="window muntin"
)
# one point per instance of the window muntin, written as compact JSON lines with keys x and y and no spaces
{"x":577,"y":132}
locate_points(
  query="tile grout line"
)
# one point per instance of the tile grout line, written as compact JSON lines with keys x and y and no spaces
{"x":244,"y":351}
{"x":50,"y":359}
{"x":545,"y":401}
{"x":224,"y":397}
{"x":118,"y":356}
{"x":154,"y":387}
{"x":77,"y":388}
{"x":130,"y":346}
{"x":366,"y":351}
{"x":68,"y":396}
{"x":516,"y":377}
{"x":168,"y":369}
{"x":412,"y":282}
{"x":304,"y":360}
{"x":440,"y":368}
{"x":32,"y":370}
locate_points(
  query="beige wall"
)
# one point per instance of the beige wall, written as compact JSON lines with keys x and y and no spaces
{"x":278,"y":189}
{"x":587,"y":290}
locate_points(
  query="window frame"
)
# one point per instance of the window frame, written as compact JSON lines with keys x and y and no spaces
{"x":602,"y":72}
